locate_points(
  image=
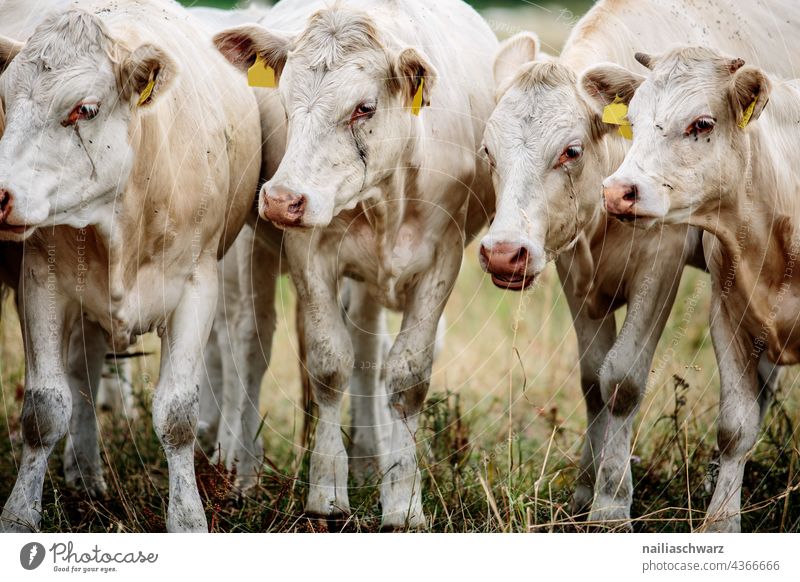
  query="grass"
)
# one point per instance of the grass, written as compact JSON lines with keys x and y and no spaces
{"x":498,"y":443}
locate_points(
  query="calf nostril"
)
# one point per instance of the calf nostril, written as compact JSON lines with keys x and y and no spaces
{"x":298,"y":205}
{"x":5,"y":198}
{"x":521,"y":256}
{"x":631,"y":194}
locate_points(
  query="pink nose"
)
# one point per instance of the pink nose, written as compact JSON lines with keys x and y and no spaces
{"x":282,"y":206}
{"x":5,"y":204}
{"x":508,"y":265}
{"x":620,"y":198}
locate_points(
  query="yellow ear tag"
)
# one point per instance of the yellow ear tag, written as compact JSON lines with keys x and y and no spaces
{"x":416,"y":104}
{"x":261,"y":74}
{"x":616,"y":113}
{"x":626,"y":131}
{"x":145,"y":94}
{"x":748,"y":113}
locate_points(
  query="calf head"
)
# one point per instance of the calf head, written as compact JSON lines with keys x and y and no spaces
{"x":541,"y":143}
{"x":348,"y":96}
{"x":70,"y":94}
{"x":689,"y":118}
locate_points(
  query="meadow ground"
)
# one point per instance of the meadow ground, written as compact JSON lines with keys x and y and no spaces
{"x":499,"y":441}
{"x":501,"y":431}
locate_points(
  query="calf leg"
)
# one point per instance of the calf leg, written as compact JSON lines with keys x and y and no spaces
{"x":83,"y":468}
{"x":739,"y":416}
{"x":175,"y":403}
{"x":115,"y":393}
{"x":211,"y":392}
{"x":47,"y":405}
{"x":623,"y":380}
{"x":255,"y":327}
{"x":366,"y":323}
{"x":221,"y":404}
{"x":329,"y":355}
{"x":408,"y":376}
{"x":769,"y":376}
{"x":595,"y":339}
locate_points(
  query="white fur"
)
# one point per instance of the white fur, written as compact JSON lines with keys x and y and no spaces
{"x":545,"y":207}
{"x":397,"y":222}
{"x":155,"y":214}
{"x":736,"y":184}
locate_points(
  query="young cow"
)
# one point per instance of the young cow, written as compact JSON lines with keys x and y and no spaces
{"x":379,"y":183}
{"x":549,"y":150}
{"x":130,"y":156}
{"x":707,"y":151}
{"x":18,"y":19}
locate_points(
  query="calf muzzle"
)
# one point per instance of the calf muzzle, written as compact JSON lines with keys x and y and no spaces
{"x":509,"y":265}
{"x":621,"y":199}
{"x":6,"y":204}
{"x":282,"y":206}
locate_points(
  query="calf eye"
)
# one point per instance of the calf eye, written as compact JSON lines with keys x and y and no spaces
{"x":701,"y":125}
{"x":363,"y":112}
{"x":84,"y":111}
{"x":572,"y":153}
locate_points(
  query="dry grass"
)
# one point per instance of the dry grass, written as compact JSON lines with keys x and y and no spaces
{"x":498,"y":445}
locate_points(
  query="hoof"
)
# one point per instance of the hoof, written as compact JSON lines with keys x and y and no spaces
{"x":581,"y":502}
{"x":334,"y":523}
{"x":13,"y":522}
{"x":610,"y":517}
{"x":731,"y":524}
{"x":90,"y":483}
{"x":245,"y":485}
{"x":401,"y":522}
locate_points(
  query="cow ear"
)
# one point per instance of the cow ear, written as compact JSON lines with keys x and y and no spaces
{"x":415,"y":75}
{"x":518,"y":50}
{"x":607,"y":82}
{"x":8,"y":50}
{"x":750,"y":89}
{"x":242,"y":44}
{"x":146,"y":74}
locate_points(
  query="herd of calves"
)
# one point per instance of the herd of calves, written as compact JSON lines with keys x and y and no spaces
{"x":142,"y":141}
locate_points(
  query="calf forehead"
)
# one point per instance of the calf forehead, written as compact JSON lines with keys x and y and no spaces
{"x":64,"y":38}
{"x":67,"y":56}
{"x":309,"y":87}
{"x":536,"y":119}
{"x":333,"y":34}
{"x":676,"y":88}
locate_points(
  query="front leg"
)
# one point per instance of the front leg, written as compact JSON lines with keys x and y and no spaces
{"x":623,"y":381}
{"x":595,"y":340}
{"x":256,"y":319}
{"x":176,"y":399}
{"x":211,"y":390}
{"x":83,"y":468}
{"x":329,"y":362}
{"x":739,"y":415}
{"x":408,"y":376}
{"x":47,"y":407}
{"x":370,"y":423}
